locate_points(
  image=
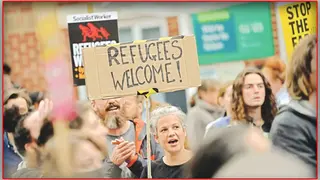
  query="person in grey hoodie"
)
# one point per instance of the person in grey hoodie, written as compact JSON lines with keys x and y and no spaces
{"x":294,"y":128}
{"x":205,"y":110}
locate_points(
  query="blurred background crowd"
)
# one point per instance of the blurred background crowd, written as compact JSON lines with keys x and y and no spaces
{"x":251,"y":117}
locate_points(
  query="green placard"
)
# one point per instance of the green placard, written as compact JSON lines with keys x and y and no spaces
{"x":240,"y":32}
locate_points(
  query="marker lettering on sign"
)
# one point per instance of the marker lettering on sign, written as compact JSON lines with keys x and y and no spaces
{"x":143,"y":74}
{"x":131,"y":52}
{"x":156,"y":62}
{"x":159,"y":51}
{"x":116,"y":55}
{"x":297,"y":15}
{"x":165,"y":50}
{"x":122,"y":54}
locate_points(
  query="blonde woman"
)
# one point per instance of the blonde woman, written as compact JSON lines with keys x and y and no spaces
{"x":168,"y":127}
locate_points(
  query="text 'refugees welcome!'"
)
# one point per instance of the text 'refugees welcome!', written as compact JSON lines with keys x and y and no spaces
{"x":149,"y":62}
{"x":168,"y":64}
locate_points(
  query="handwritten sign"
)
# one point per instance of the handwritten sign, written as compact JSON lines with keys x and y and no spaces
{"x":168,"y":64}
{"x":297,"y":21}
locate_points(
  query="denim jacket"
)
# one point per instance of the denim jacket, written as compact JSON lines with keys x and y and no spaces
{"x":11,"y":157}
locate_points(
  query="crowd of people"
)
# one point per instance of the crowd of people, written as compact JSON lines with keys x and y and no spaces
{"x":262,"y":124}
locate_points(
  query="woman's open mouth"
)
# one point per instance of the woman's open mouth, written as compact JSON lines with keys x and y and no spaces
{"x":173,"y":141}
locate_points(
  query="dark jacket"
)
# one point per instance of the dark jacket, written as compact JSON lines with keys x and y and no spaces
{"x":294,"y":130}
{"x":11,"y":158}
{"x":135,"y":168}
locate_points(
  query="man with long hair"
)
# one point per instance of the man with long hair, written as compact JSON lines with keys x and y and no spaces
{"x":253,"y":100}
{"x":294,"y":128}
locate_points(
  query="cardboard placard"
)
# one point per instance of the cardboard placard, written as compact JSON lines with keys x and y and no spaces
{"x":89,"y":30}
{"x":168,"y":64}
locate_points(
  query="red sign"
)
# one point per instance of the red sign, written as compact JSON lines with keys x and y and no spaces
{"x":91,"y":31}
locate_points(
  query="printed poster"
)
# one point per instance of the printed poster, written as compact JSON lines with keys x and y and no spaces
{"x":90,"y":30}
{"x":297,"y":20}
{"x":240,"y":32}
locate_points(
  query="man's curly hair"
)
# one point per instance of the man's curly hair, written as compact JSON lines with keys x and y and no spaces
{"x":239,"y":110}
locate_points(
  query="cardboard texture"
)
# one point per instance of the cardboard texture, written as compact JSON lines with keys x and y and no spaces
{"x":168,"y":64}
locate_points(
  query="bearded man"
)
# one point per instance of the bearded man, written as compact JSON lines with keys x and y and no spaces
{"x":126,"y":136}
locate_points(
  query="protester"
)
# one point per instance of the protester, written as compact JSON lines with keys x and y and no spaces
{"x":19,"y":99}
{"x":168,"y":127}
{"x":294,"y":128}
{"x":264,"y":165}
{"x":11,"y":155}
{"x":274,"y":71}
{"x":34,"y":131}
{"x":224,"y":100}
{"x":206,"y":110}
{"x":263,"y":123}
{"x":222,"y":145}
{"x":86,"y":157}
{"x":129,"y":156}
{"x":88,"y":121}
{"x":28,"y":129}
{"x":253,"y":100}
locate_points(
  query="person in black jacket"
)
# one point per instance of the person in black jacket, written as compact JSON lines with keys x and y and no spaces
{"x":294,"y":128}
{"x":168,"y":128}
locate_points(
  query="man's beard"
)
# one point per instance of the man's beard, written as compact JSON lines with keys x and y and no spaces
{"x":112,"y":122}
